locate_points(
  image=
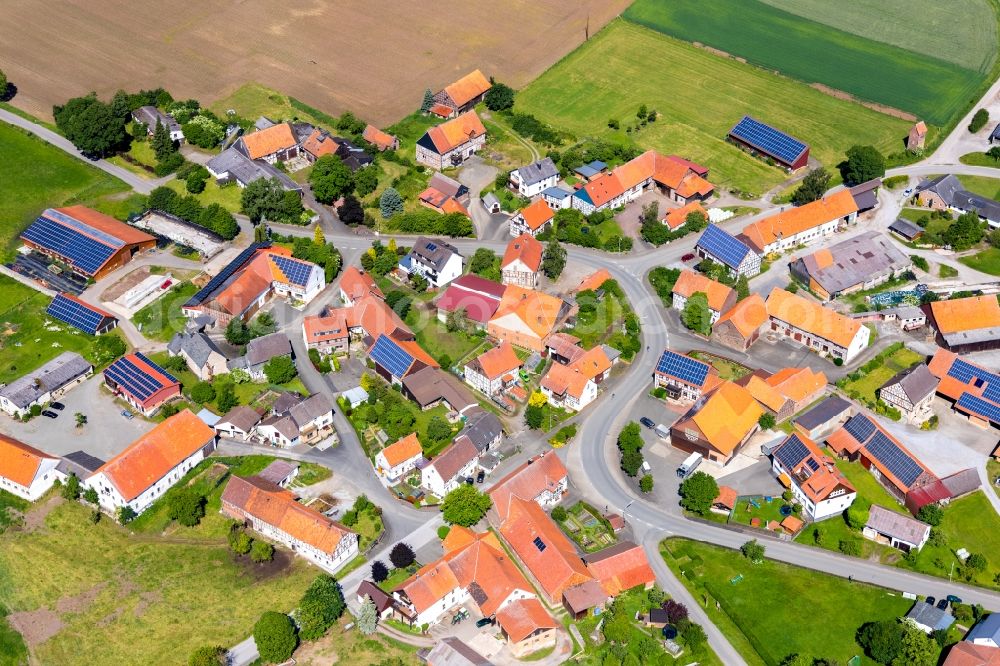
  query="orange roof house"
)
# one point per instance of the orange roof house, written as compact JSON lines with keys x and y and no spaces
{"x":523,"y":618}
{"x":789,"y":227}
{"x":356,"y":283}
{"x":720,"y":297}
{"x":800,"y":385}
{"x":453,"y":133}
{"x":468,"y":88}
{"x":270,"y":142}
{"x":526,"y":317}
{"x":726,"y":499}
{"x":720,"y":425}
{"x":594,"y":281}
{"x":677,"y":217}
{"x":526,"y":250}
{"x":320,"y":143}
{"x":496,"y":362}
{"x":967,"y":653}
{"x":673,"y":174}
{"x":435,"y":199}
{"x":24,"y":470}
{"x":533,"y":217}
{"x":967,"y":324}
{"x":369,"y":316}
{"x":542,"y":479}
{"x":740,"y":326}
{"x":402,"y":450}
{"x":379,"y":139}
{"x":574,"y":384}
{"x":620,"y":567}
{"x":806,"y":321}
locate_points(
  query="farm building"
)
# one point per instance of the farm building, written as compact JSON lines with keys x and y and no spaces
{"x":445,"y":195}
{"x":431,"y":386}
{"x":380,"y":139}
{"x":740,"y":327}
{"x":395,"y":359}
{"x":761,"y":139}
{"x":906,"y":230}
{"x":675,"y":218}
{"x":728,"y":250}
{"x":461,"y":96}
{"x":452,"y":142}
{"x":801,"y":225}
{"x":967,"y":324}
{"x":917,"y":137}
{"x":478,"y":297}
{"x":971,"y":389}
{"x":200,"y":353}
{"x":88,"y":318}
{"x":141,"y":383}
{"x":862,"y":262}
{"x":815,"y":482}
{"x":683,"y":377}
{"x":24,"y":470}
{"x":947,"y":192}
{"x":785,"y":392}
{"x":720,"y":297}
{"x":276,"y":143}
{"x":816,"y":327}
{"x":824,"y":417}
{"x":45,"y":384}
{"x":895,"y":530}
{"x":542,"y":479}
{"x":718,"y":425}
{"x":89,"y":243}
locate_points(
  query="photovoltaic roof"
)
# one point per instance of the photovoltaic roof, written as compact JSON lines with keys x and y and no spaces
{"x":897,"y":461}
{"x":768,"y":140}
{"x":968,"y":373}
{"x":723,"y":246}
{"x":391,"y":356}
{"x":215,"y":283}
{"x":84,"y":247}
{"x":860,"y":427}
{"x":979,"y":407}
{"x":80,"y":315}
{"x":135,"y":379}
{"x":682,"y":367}
{"x":791,"y":453}
{"x":296,"y":271}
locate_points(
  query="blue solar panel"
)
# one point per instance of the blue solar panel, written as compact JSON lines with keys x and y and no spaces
{"x":683,"y":368}
{"x":226,"y":273}
{"x":966,"y":372}
{"x":390,"y":356}
{"x":860,"y":427}
{"x":70,"y":243}
{"x":296,"y":271}
{"x":723,"y":246}
{"x":791,"y":453}
{"x":75,"y":314}
{"x":768,"y":140}
{"x":137,"y":381}
{"x":979,"y":407}
{"x":813,"y":465}
{"x":539,"y":544}
{"x":894,"y":459}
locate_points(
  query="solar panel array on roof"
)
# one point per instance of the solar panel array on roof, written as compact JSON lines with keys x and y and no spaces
{"x":296,"y":271}
{"x":75,"y":314}
{"x":226,"y":273}
{"x":80,"y":249}
{"x":767,"y":139}
{"x":683,"y":368}
{"x":791,"y":453}
{"x":390,"y":356}
{"x":894,"y":459}
{"x":966,"y":372}
{"x":979,"y":407}
{"x":539,"y":544}
{"x":724,"y":247}
{"x":137,"y":381}
{"x":813,"y":465}
{"x":859,"y":427}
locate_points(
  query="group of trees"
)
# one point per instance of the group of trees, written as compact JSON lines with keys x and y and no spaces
{"x":280,"y":370}
{"x":813,"y":187}
{"x":239,"y":333}
{"x":500,"y":97}
{"x":965,"y":232}
{"x":698,"y":492}
{"x":863,"y":163}
{"x":427,"y":221}
{"x":382,"y":259}
{"x":386,"y":408}
{"x":241,"y":543}
{"x":465,"y":506}
{"x":898,"y":643}
{"x":107,"y":348}
{"x":534,"y":413}
{"x":630,"y":448}
{"x":696,"y":314}
{"x":266,"y":199}
{"x":96,"y":128}
{"x":331,"y":179}
{"x":185,"y":505}
{"x":213,"y":217}
{"x":571,"y":226}
{"x":316,"y":250}
{"x":275,"y":633}
{"x":485,"y":263}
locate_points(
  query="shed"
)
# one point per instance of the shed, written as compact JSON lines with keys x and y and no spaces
{"x":355,"y":396}
{"x":491,"y":203}
{"x":895,"y":529}
{"x":929,"y":618}
{"x":906,"y":230}
{"x":209,"y":417}
{"x":824,"y":417}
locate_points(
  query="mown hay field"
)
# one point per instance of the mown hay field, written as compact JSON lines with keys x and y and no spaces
{"x":933,"y":89}
{"x":699,"y":97}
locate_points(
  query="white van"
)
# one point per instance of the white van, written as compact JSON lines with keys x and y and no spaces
{"x":689,"y":465}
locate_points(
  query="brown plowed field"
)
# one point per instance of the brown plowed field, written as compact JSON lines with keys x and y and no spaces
{"x":372,"y":57}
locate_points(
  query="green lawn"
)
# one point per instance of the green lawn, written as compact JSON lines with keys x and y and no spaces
{"x":993,"y":472}
{"x":870,"y":382}
{"x":145,"y":589}
{"x":369,"y":527}
{"x":162,"y":318}
{"x":398,"y":576}
{"x":594,"y":328}
{"x":979,"y":159}
{"x":982,"y":185}
{"x":699,"y":96}
{"x":745,"y":512}
{"x":36,"y":176}
{"x":584,"y":526}
{"x":868,"y":486}
{"x":13,"y":651}
{"x":435,"y":338}
{"x":9,"y":504}
{"x":807,"y":50}
{"x":227,"y":196}
{"x":763,"y":614}
{"x":730,"y":370}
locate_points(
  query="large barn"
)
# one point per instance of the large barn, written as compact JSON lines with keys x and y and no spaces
{"x":766,"y":141}
{"x":90,"y":243}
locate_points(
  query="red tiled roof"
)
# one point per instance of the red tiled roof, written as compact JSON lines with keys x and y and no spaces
{"x":20,"y":462}
{"x":319,"y":143}
{"x":467,"y":88}
{"x":455,"y":132}
{"x":106,"y":224}
{"x":537,"y":214}
{"x":522,"y":618}
{"x":621,"y":567}
{"x":497,"y":361}
{"x":357,"y":283}
{"x":812,"y":317}
{"x":965,"y":653}
{"x":402,"y":450}
{"x":574,"y":377}
{"x":795,"y":220}
{"x":528,"y":481}
{"x":269,"y":141}
{"x":594,"y":281}
{"x":526,"y":248}
{"x":378,"y":138}
{"x":746,"y":316}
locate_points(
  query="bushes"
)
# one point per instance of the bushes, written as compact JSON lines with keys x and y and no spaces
{"x":213,"y":217}
{"x":186,"y":505}
{"x":274,"y":634}
{"x":630,"y":446}
{"x":697,"y":492}
{"x":321,"y":606}
{"x":920,"y":262}
{"x":979,"y":120}
{"x":662,"y":279}
{"x":426,"y":221}
{"x":528,"y":126}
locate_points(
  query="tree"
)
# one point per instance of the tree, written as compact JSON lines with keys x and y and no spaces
{"x":851,"y":547}
{"x":350,"y":211}
{"x":964,"y":232}
{"x":742,"y":287}
{"x":390,"y":203}
{"x":71,"y":489}
{"x":553,"y":259}
{"x":203,"y":392}
{"x":932,"y":514}
{"x":646,"y":483}
{"x":204,"y":131}
{"x":856,"y":515}
{"x":237,"y":332}
{"x":261,"y":551}
{"x":863,"y":164}
{"x":979,"y":120}
{"x":698,"y":491}
{"x":753,"y":551}
{"x":330,"y":179}
{"x":881,"y":640}
{"x":226,"y":397}
{"x":559,"y":513}
{"x":266,"y":199}
{"x":631,"y":462}
{"x":813,"y":187}
{"x":692,"y":633}
{"x":280,"y":370}
{"x":90,"y":495}
{"x":379,"y":571}
{"x":81,"y":419}
{"x":696,"y":315}
{"x":465,"y":506}
{"x":321,"y":605}
{"x":994,"y":153}
{"x":239,"y":541}
{"x":275,"y":637}
{"x":402,"y":555}
{"x":368,"y":617}
{"x":91,"y":125}
{"x":457,"y":320}
{"x":975,"y":561}
{"x":428,"y":102}
{"x":916,"y":648}
{"x":208,"y":655}
{"x":766,"y":421}
{"x":126,"y":514}
{"x":195,"y":181}
{"x":485,"y":263}
{"x":438,"y":429}
{"x":499,"y":97}
{"x":161,"y":142}
{"x":676,"y":611}
{"x":533,"y":417}
{"x":185,"y":505}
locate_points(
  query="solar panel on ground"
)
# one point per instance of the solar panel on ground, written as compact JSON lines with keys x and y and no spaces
{"x":135,"y":379}
{"x":768,"y":139}
{"x":296,"y":271}
{"x":225,"y":274}
{"x":75,"y":314}
{"x":791,"y":453}
{"x":979,"y":407}
{"x":390,"y":356}
{"x":84,"y":252}
{"x":683,"y":368}
{"x":724,"y":247}
{"x":899,"y":464}
{"x":860,"y":427}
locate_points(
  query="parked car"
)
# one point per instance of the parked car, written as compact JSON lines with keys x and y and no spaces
{"x":943,"y":604}
{"x":50,"y":414}
{"x":930,"y":600}
{"x":953,"y":599}
{"x":648,"y":422}
{"x":482,"y":622}
{"x":57,"y":405}
{"x":469,"y":480}
{"x":688,"y":257}
{"x":481,"y":476}
{"x":127,"y":414}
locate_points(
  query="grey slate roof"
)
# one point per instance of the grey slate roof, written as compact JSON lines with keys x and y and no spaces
{"x":865,"y":195}
{"x":148,"y":115}
{"x":556,"y":192}
{"x":197,"y":346}
{"x":490,"y":200}
{"x":538,"y":171}
{"x":987,"y":628}
{"x":458,"y":454}
{"x":241,"y":416}
{"x":829,"y":409}
{"x":482,"y":427}
{"x":906,"y":229}
{"x":896,"y":525}
{"x":285,"y":401}
{"x":855,"y":261}
{"x":245,"y":170}
{"x":917,"y":382}
{"x":80,"y":463}
{"x":283,"y":424}
{"x":277,"y":471}
{"x":950,"y":189}
{"x":447,"y":185}
{"x":962,"y":482}
{"x":263,"y":349}
{"x":930,"y":616}
{"x":52,"y":376}
{"x":311,"y":408}
{"x":433,"y":252}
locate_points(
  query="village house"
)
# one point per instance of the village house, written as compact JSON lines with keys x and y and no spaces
{"x":380,"y":139}
{"x":238,"y":423}
{"x":522,"y":262}
{"x":274,"y":513}
{"x":397,"y":359}
{"x":259,"y":352}
{"x":277,"y":143}
{"x":525,"y":317}
{"x":972,"y":390}
{"x":435,"y":260}
{"x":398,"y":459}
{"x":574,"y":386}
{"x":533,"y":219}
{"x":558,"y":197}
{"x":675,"y":218}
{"x":24,"y":470}
{"x":527,"y":627}
{"x":801,"y":225}
{"x":445,"y":195}
{"x":202,"y":356}
{"x":718,"y":425}
{"x":896,"y":530}
{"x":859,"y":263}
{"x":336,"y":331}
{"x":685,"y":379}
{"x":911,"y":392}
{"x":740,"y":327}
{"x":531,"y":179}
{"x":966,"y":653}
{"x":461,"y":96}
{"x":947,"y":193}
{"x":233,"y":166}
{"x":815,"y":482}
{"x":452,"y":142}
{"x":720,"y":297}
{"x":304,"y":421}
{"x":986,"y":632}
{"x":150,"y":116}
{"x":355,"y":284}
{"x":542,"y":479}
{"x":482,"y":428}
{"x":46,"y":384}
{"x":929,"y":618}
{"x":494,"y":370}
{"x":813,"y":326}
{"x":785,"y":392}
{"x":450,"y":468}
{"x":474,"y":297}
{"x":152,"y":464}
{"x":917,"y":137}
{"x":723,"y":248}
{"x":967,"y":324}
{"x":141,"y":383}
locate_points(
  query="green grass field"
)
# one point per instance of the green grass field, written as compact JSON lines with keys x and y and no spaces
{"x":868,"y":486}
{"x":36,"y":176}
{"x":227,"y":196}
{"x":162,"y":318}
{"x":933,"y":89}
{"x":873,"y":381}
{"x":982,"y":185}
{"x":699,"y":97}
{"x":764,"y":612}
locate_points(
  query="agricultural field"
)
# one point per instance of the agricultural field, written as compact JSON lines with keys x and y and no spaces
{"x":290,"y":51}
{"x":583,"y":91}
{"x":807,"y":48}
{"x":36,"y":176}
